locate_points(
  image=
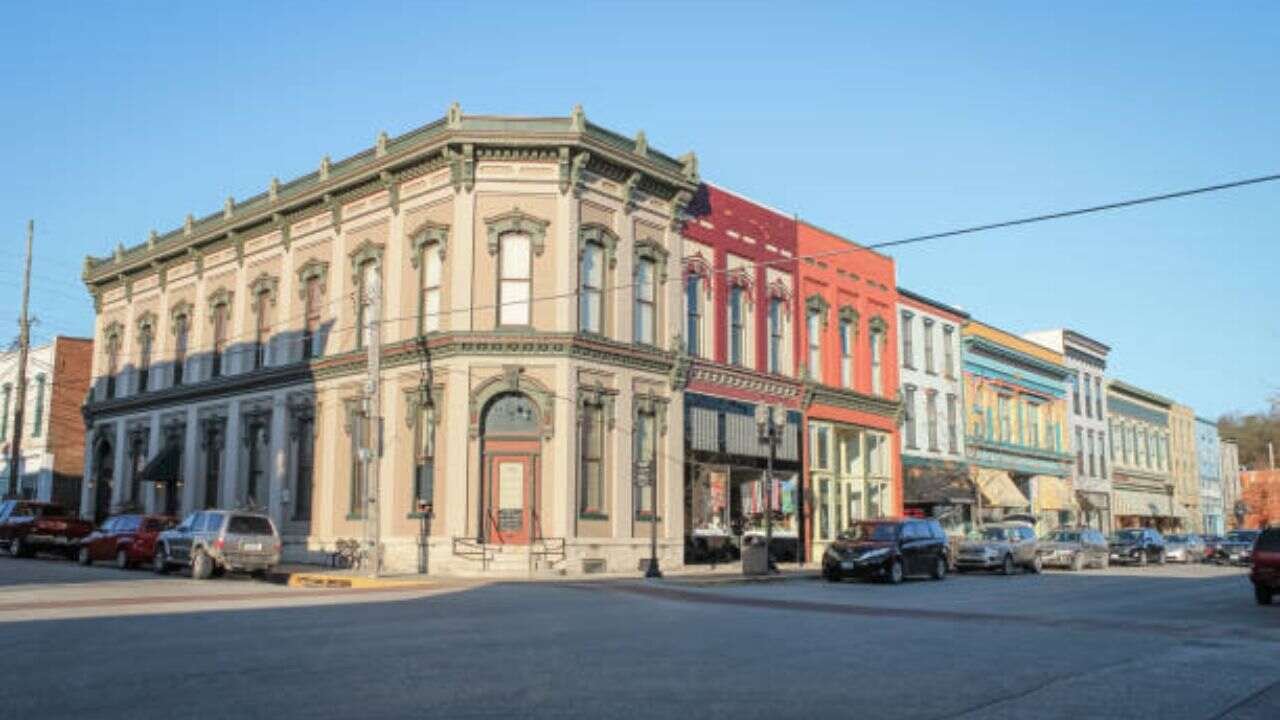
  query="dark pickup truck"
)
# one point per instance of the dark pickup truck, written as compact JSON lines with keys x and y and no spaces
{"x":27,"y":526}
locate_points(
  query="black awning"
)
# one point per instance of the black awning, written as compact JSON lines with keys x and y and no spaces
{"x":936,"y":485}
{"x":165,"y":466}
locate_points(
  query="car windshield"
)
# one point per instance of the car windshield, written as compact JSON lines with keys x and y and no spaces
{"x":1127,"y":536}
{"x":996,"y":533}
{"x":875,"y":531}
{"x":1246,"y":536}
{"x":1176,"y":538}
{"x":1065,"y":537}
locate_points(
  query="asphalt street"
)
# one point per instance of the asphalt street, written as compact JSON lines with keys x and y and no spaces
{"x":1168,"y":642}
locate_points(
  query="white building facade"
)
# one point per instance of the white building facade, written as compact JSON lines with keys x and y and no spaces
{"x":1209,"y":455}
{"x":1086,"y":358}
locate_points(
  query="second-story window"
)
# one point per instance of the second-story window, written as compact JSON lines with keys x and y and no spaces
{"x":221,"y":315}
{"x":37,"y":427}
{"x":909,"y":415}
{"x":1097,"y":394}
{"x":1088,"y":395}
{"x":311,"y":318}
{"x":368,"y":283}
{"x":1075,"y":393}
{"x":813,"y":330}
{"x":693,"y":313}
{"x":908,"y":356}
{"x":1006,"y":419}
{"x":1033,"y":425}
{"x":846,"y":352}
{"x":432,"y":272}
{"x":931,"y":421}
{"x":181,"y":339}
{"x":948,"y":351}
{"x":261,"y":329}
{"x":776,"y":312}
{"x":645,"y":319}
{"x":953,"y":446}
{"x":928,"y":346}
{"x":144,"y":357}
{"x":591,"y":295}
{"x":1102,"y":454}
{"x":877,"y":362}
{"x":515,"y":286}
{"x":113,"y":364}
{"x":737,"y":324}
{"x":1093,"y":468}
{"x":1080,"y":450}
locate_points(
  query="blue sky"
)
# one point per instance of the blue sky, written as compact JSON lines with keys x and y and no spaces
{"x":874,"y":122}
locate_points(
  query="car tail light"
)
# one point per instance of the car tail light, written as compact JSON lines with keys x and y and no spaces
{"x":217,"y":544}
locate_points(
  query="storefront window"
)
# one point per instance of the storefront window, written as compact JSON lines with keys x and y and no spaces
{"x":824,"y":509}
{"x":820,"y":447}
{"x":709,"y":510}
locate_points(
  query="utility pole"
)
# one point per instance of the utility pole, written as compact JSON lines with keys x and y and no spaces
{"x":24,"y":345}
{"x":373,"y":417}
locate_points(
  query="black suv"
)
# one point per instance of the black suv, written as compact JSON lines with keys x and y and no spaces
{"x":1137,"y":545}
{"x":888,"y":549}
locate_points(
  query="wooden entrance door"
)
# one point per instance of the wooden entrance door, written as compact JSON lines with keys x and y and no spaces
{"x":511,"y":485}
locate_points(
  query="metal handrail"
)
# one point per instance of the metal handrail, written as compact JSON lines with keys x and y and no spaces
{"x":472,"y":549}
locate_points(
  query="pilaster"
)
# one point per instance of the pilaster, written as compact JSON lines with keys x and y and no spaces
{"x":462,"y":263}
{"x":231,"y":456}
{"x":190,"y":461}
{"x":118,"y":488}
{"x":279,"y":462}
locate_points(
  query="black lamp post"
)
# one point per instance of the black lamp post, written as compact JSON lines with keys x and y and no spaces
{"x":770,"y":421}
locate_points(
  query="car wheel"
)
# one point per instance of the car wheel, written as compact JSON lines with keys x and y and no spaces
{"x":1161,"y":558}
{"x":939,"y":569}
{"x":122,"y":559}
{"x":1262,"y":595}
{"x":829,"y":574}
{"x":17,"y":548}
{"x":1077,"y":563}
{"x":83,"y":557}
{"x":895,"y":572}
{"x":1037,"y":565}
{"x":201,"y":566}
{"x":1007,"y":567}
{"x":160,"y":562}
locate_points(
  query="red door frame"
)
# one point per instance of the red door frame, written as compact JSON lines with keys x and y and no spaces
{"x":528,"y":452}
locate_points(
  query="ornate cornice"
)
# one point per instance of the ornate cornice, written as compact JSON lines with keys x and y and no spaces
{"x":516,"y":220}
{"x":851,"y":400}
{"x":745,"y":380}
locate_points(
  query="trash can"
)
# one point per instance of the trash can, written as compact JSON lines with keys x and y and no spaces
{"x":755,"y":556}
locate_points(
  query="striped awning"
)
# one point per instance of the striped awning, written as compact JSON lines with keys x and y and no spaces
{"x":998,"y":489}
{"x":1052,"y":493}
{"x":1142,"y":504}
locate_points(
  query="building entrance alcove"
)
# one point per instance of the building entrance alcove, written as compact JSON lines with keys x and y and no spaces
{"x":511,"y":447}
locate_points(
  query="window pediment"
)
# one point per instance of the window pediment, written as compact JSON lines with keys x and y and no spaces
{"x":516,"y":220}
{"x":818,"y":304}
{"x":179,"y":311}
{"x":221,"y":297}
{"x":146,"y":322}
{"x":601,"y":235}
{"x":848,"y":314}
{"x":113,"y":330}
{"x":650,"y":249}
{"x":368,"y":251}
{"x":427,"y":234}
{"x":878,"y":325}
{"x":312,"y":269}
{"x":263,"y":286}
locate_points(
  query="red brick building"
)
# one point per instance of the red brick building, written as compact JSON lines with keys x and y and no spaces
{"x":741,"y":343}
{"x":848,"y":335}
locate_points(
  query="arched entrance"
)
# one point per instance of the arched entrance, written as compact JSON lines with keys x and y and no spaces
{"x":510,"y":449}
{"x":104,"y":462}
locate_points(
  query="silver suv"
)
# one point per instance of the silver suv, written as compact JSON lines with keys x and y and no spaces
{"x":214,"y":541}
{"x":1004,"y":546}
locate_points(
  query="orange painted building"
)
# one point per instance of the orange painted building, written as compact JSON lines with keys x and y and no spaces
{"x":1260,"y":492}
{"x":847,"y":296}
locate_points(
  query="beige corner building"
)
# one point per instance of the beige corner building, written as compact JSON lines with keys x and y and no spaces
{"x":1185,"y":468}
{"x":520,"y":277}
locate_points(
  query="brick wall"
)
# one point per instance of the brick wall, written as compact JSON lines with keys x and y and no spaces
{"x":73,"y":366}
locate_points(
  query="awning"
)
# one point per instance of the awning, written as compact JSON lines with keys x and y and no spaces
{"x":926,"y":485}
{"x":1093,"y":501}
{"x":165,"y":466}
{"x":998,"y":489}
{"x":1142,"y":504}
{"x":1052,"y":494}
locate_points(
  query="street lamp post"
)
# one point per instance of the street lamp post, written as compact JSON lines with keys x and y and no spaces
{"x":770,"y":421}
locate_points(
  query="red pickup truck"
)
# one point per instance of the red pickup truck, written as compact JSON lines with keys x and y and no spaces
{"x":27,"y":526}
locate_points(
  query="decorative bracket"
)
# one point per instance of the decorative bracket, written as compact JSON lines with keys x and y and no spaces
{"x":393,"y":190}
{"x":462,"y":167}
{"x":631,"y":192}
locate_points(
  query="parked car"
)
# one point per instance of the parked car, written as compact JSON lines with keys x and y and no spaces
{"x":1211,"y":545}
{"x":1075,"y":549}
{"x":888,"y":549}
{"x":1265,"y":573}
{"x":1137,"y":545}
{"x":126,"y":539}
{"x":28,"y":526}
{"x":1005,"y":546}
{"x":214,"y":541}
{"x":1236,"y":548}
{"x":1184,"y":548}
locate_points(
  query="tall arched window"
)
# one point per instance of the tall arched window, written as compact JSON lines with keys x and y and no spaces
{"x":432,"y":271}
{"x":181,"y":338}
{"x":645,"y":295}
{"x":693,"y":313}
{"x":368,"y":279}
{"x":777,"y":313}
{"x":515,"y":269}
{"x":221,"y":320}
{"x":737,"y":324}
{"x":145,"y":341}
{"x":591,"y":294}
{"x":113,"y":363}
{"x":813,"y":330}
{"x":261,"y":328}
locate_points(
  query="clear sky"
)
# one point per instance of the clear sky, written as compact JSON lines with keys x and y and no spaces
{"x":875,"y":123}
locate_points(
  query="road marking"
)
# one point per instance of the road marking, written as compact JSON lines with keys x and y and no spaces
{"x":178,"y":599}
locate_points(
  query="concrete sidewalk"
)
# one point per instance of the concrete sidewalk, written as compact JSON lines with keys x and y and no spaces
{"x":297,"y":575}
